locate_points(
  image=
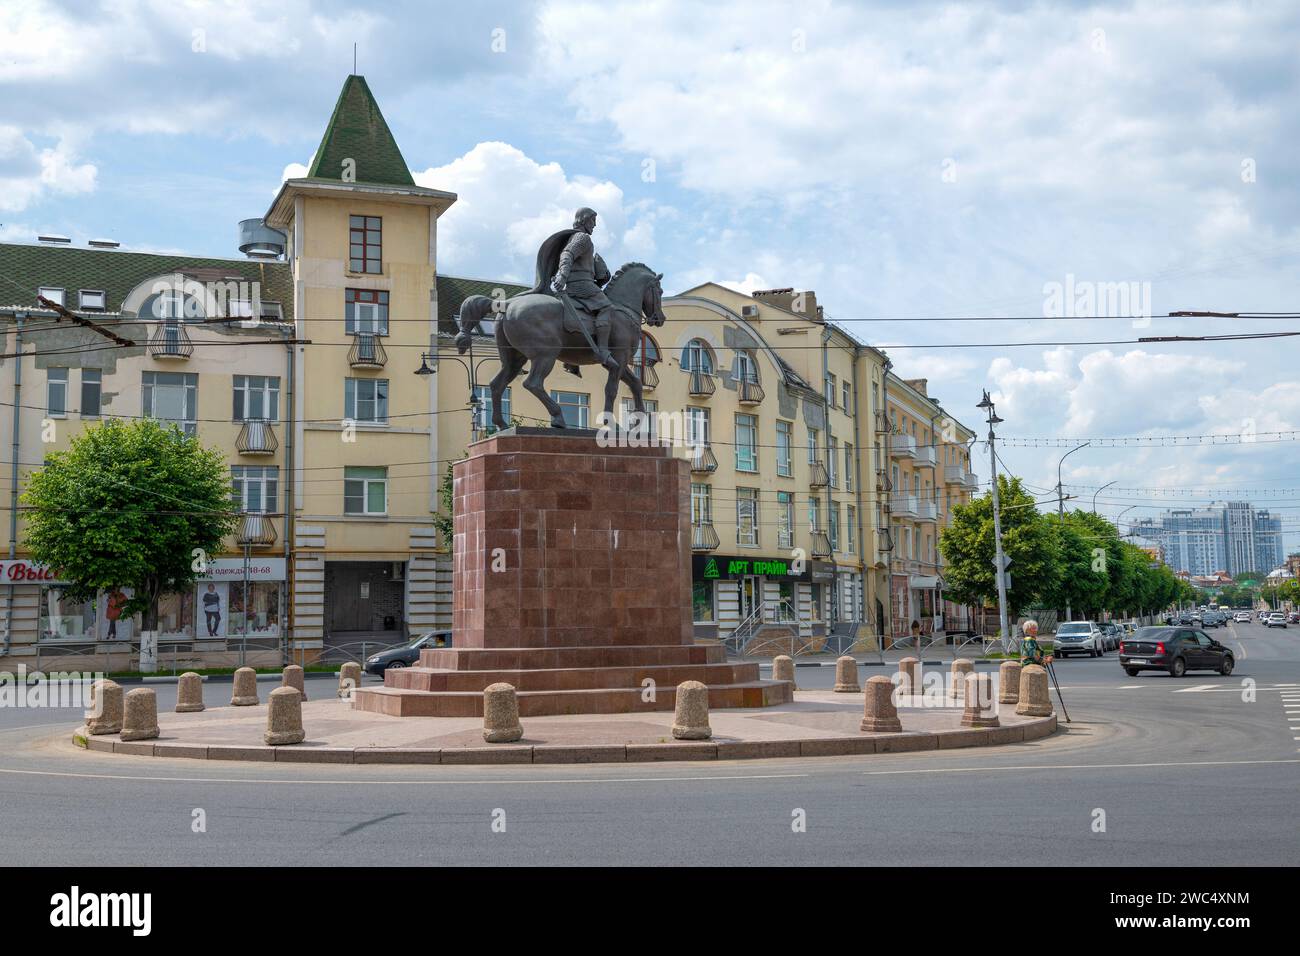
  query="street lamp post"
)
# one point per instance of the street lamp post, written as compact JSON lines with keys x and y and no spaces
{"x":1099,"y":491}
{"x":999,"y":560}
{"x":1060,"y":506}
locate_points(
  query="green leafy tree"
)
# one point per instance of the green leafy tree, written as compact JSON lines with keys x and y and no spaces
{"x":968,"y":549}
{"x":136,"y":505}
{"x":1082,"y":582}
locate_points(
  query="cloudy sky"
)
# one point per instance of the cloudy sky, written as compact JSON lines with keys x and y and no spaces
{"x":911,"y":162}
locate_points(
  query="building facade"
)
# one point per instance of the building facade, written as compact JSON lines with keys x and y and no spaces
{"x":1232,"y":536}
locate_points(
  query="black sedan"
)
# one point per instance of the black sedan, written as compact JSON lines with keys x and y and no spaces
{"x":1174,"y":649}
{"x":406,"y":655}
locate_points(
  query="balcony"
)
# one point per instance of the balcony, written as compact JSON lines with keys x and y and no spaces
{"x":927,"y":511}
{"x":927,"y":456}
{"x":749,"y":393}
{"x":883,"y":426}
{"x":649,"y":377}
{"x":902,"y":446}
{"x":703,"y":537}
{"x":703,"y":461}
{"x":819,"y":476}
{"x":257,"y":437}
{"x":904,"y":506}
{"x":958,"y":475}
{"x":170,"y":340}
{"x":255,"y":531}
{"x":367,"y":351}
{"x":821,"y":545}
{"x":702,"y":385}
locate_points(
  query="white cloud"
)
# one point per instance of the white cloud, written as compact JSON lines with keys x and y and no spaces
{"x":28,"y":173}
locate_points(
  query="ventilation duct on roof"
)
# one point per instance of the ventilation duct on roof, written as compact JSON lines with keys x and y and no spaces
{"x":257,"y":240}
{"x":54,"y":239}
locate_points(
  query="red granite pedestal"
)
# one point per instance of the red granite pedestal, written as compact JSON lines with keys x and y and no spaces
{"x":571,"y":581}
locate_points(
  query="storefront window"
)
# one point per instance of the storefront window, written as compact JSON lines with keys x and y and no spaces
{"x":786,"y":611}
{"x":816,"y":601}
{"x":65,"y":620}
{"x":176,"y":615}
{"x":702,"y":602}
{"x":263,"y":609}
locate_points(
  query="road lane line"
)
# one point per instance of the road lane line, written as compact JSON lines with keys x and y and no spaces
{"x":1081,"y":766}
{"x":424,"y":782}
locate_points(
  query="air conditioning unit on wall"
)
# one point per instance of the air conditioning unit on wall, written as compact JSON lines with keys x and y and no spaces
{"x":749,"y":311}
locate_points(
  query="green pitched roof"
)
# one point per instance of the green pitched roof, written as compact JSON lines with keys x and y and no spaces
{"x":26,"y":268}
{"x":453,"y":290}
{"x":357,"y":132}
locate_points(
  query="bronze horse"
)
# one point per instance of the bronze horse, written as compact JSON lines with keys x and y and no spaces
{"x":530,"y":328}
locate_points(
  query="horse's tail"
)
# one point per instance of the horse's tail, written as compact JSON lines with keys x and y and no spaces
{"x":472,"y":311}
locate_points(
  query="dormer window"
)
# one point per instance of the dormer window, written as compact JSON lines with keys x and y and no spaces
{"x":51,"y":293}
{"x":94,"y":299}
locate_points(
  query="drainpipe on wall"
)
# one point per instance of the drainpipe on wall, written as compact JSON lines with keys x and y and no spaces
{"x":13,"y":474}
{"x":289,"y":449}
{"x":938,"y":588}
{"x":836,"y":605}
{"x":889,"y":495}
{"x":857,"y":480}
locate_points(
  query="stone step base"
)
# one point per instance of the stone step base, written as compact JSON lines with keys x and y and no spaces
{"x":569,"y":678}
{"x":546,"y":658}
{"x":396,"y":702}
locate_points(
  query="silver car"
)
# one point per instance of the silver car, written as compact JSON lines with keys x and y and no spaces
{"x":1079,"y":637}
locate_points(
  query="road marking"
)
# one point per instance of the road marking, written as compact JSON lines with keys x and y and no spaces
{"x":1199,"y":688}
{"x":1083,"y":766}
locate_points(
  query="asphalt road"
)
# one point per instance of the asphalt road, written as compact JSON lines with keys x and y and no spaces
{"x":1186,"y":772}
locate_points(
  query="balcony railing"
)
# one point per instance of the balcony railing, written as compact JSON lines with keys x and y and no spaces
{"x":256,"y":437}
{"x":703,"y":537}
{"x":904,"y":506}
{"x":749,"y":393}
{"x":367,"y":351}
{"x":649,"y":377}
{"x":820,"y":478}
{"x":821,"y":545}
{"x":703,"y":460}
{"x":958,"y":475}
{"x":927,"y":511}
{"x":702,"y":385}
{"x":927,"y":457}
{"x":255,"y":531}
{"x":170,"y":340}
{"x":882,"y":424}
{"x":902,"y":446}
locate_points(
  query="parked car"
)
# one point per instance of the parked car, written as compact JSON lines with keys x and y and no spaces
{"x":1242,"y":617}
{"x":1079,"y":637}
{"x":1276,"y":619}
{"x":1114,"y":634}
{"x":1293,"y":617}
{"x":1174,"y":649}
{"x":406,"y":655}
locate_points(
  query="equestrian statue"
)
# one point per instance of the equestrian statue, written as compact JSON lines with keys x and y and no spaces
{"x":576,"y":314}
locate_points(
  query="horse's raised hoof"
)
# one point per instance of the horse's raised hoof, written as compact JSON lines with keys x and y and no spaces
{"x":557,"y":421}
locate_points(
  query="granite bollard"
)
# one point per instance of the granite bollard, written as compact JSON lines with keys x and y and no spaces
{"x":189,"y":693}
{"x":244,"y":692}
{"x":140,"y":715}
{"x":1009,"y":682}
{"x":960,"y":668}
{"x":349,"y":678}
{"x":691,"y":714}
{"x":980,"y":710}
{"x":284,"y":718}
{"x":1034,"y":696}
{"x":501,"y":715}
{"x":783,"y":668}
{"x":292,"y":676}
{"x":846,"y":676}
{"x":909,"y":676}
{"x":879,"y":715}
{"x":105,"y":715}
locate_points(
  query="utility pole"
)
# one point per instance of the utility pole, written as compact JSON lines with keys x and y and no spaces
{"x":1060,"y":506}
{"x":999,"y":561}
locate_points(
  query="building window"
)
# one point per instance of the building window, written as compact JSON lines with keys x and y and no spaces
{"x":172,"y":397}
{"x":56,"y":392}
{"x":51,"y":293}
{"x":574,"y":406}
{"x":701,"y":504}
{"x":365,"y":491}
{"x":746,"y":443}
{"x":702,"y":602}
{"x":366,"y":310}
{"x":483,"y":416}
{"x":93,"y":300}
{"x":784,"y":519}
{"x":366,"y":400}
{"x":830,"y":390}
{"x":257,"y":397}
{"x":746,"y":368}
{"x":697,"y":427}
{"x":91,"y":392}
{"x":643,"y":427}
{"x":784,"y":438}
{"x":814,"y":515}
{"x":850,"y":528}
{"x":846,"y":397}
{"x":832,"y":458}
{"x":815,"y":602}
{"x":833,"y":512}
{"x":747,"y":517}
{"x":256,"y":488}
{"x":365,"y":252}
{"x":848,"y":467}
{"x":814,"y":438}
{"x":697,"y":357}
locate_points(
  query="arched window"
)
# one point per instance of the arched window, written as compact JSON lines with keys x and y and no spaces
{"x":746,"y":368}
{"x":697,"y":357}
{"x":651,"y":349}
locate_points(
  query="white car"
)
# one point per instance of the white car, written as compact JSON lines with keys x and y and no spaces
{"x":1276,"y":619}
{"x":1241,"y":617}
{"x":1079,"y":637}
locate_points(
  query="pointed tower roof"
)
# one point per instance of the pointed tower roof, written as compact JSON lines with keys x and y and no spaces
{"x":357,"y":132}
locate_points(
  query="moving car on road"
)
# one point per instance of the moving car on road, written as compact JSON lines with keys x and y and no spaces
{"x":1079,"y":637}
{"x":406,"y":655}
{"x":1242,"y":617}
{"x":1214,"y":619}
{"x":1174,"y":649}
{"x":1276,"y":619}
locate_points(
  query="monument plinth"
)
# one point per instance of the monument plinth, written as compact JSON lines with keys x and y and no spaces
{"x":572,"y":582}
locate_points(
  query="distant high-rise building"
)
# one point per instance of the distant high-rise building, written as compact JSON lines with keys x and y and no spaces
{"x":1230,"y":536}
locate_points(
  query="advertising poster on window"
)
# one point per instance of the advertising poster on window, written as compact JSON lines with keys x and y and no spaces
{"x":114,"y":623}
